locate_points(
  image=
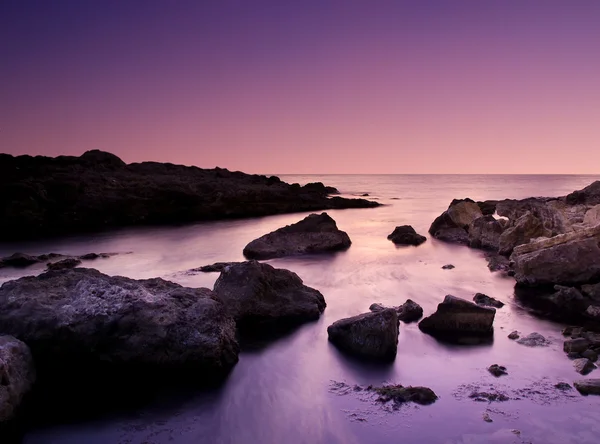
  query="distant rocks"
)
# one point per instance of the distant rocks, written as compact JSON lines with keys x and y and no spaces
{"x":21,"y":260}
{"x":217,"y":267}
{"x":588,"y":386}
{"x":369,"y":335}
{"x":455,"y":316}
{"x":408,"y":312}
{"x":18,"y":260}
{"x":497,"y":370}
{"x":448,"y":267}
{"x":17,"y":375}
{"x":317,"y":233}
{"x":487,"y":301}
{"x":534,"y":340}
{"x":258,"y":295}
{"x":64,"y":264}
{"x":406,"y":235}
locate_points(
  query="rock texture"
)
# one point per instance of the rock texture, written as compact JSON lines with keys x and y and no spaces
{"x":588,"y":386}
{"x":456,"y":316}
{"x":43,"y":196}
{"x":17,"y":375}
{"x":258,"y":295}
{"x":316,"y":233}
{"x":583,"y":366}
{"x":78,"y":316}
{"x":485,"y":232}
{"x":486,"y":301}
{"x":21,"y":260}
{"x":408,"y":312}
{"x":533,"y":340}
{"x":369,"y":335}
{"x":406,"y":235}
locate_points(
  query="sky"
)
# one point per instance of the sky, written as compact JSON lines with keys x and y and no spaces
{"x":311,"y":86}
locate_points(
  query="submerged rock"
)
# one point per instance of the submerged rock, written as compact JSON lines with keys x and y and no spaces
{"x":488,"y":397}
{"x":400,"y":395}
{"x":448,"y":267}
{"x":82,"y":317}
{"x":406,"y":235}
{"x":583,"y":366}
{"x":64,"y":264}
{"x":514,"y":335}
{"x":588,"y":386}
{"x":534,"y":340}
{"x":486,"y":301}
{"x":217,"y":267}
{"x":497,"y":370}
{"x":259,"y":295}
{"x":316,"y":233}
{"x":459,"y":317}
{"x":369,"y":335}
{"x":17,"y":375}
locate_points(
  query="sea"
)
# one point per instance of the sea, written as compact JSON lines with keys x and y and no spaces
{"x":298,"y":388}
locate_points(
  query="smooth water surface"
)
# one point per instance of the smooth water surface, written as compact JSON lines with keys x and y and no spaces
{"x":283,"y":392}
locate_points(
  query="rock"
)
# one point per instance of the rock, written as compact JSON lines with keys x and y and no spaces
{"x":592,"y":292}
{"x":369,"y":335}
{"x":567,"y":301}
{"x":376,"y":307}
{"x":497,"y":370}
{"x":534,"y":340}
{"x":317,"y":187}
{"x":448,"y":267}
{"x":453,"y":235}
{"x":51,"y":196}
{"x":577,"y":345}
{"x":410,"y":311}
{"x":217,"y":267}
{"x":590,"y":195}
{"x":94,"y":256}
{"x":497,"y":262}
{"x":484,"y":232}
{"x":446,"y":229}
{"x":590,"y":354}
{"x":17,"y":375}
{"x":563,"y":386}
{"x":486,"y":417}
{"x":527,"y":227}
{"x":567,"y":259}
{"x":593,"y":312}
{"x":573,"y":355}
{"x":464,"y":213}
{"x":592,"y":216}
{"x":317,"y":233}
{"x":400,"y":395}
{"x":64,"y":264}
{"x":406,"y":235}
{"x":456,"y":316}
{"x":486,"y":301}
{"x":514,"y":335}
{"x":258,"y":295}
{"x":572,"y":331}
{"x":588,"y":386}
{"x":18,"y":260}
{"x":487,"y":207}
{"x":82,"y":317}
{"x":583,"y":366}
{"x":488,"y":397}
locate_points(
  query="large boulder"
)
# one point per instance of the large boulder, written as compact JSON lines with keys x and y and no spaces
{"x":316,"y":233}
{"x":369,"y":335}
{"x":406,"y":235}
{"x":484,"y":232}
{"x":78,"y":316}
{"x":526,"y":227}
{"x":464,"y":213}
{"x":567,"y":259}
{"x":258,"y":295}
{"x":455,"y":316}
{"x":17,"y":375}
{"x":452,"y":225}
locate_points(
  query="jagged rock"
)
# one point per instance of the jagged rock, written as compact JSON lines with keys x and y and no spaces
{"x":497,"y":370}
{"x":452,"y":224}
{"x":369,"y":335}
{"x":576,"y":345}
{"x":567,"y":259}
{"x":583,"y":366}
{"x":82,"y":317}
{"x":534,"y":340}
{"x":406,"y":235}
{"x":486,"y":301}
{"x":17,"y":375}
{"x":484,"y":232}
{"x":400,"y":395}
{"x":453,"y":235}
{"x":258,"y":295}
{"x":590,"y":195}
{"x":497,"y":262}
{"x":464,"y":213}
{"x":588,"y":386}
{"x":94,"y":256}
{"x":64,"y":264}
{"x":487,"y":207}
{"x":317,"y":233}
{"x":514,"y":335}
{"x":527,"y":227}
{"x":456,"y":316}
{"x":448,"y":267}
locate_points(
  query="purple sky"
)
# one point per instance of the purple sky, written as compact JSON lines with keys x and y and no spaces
{"x":346,"y":86}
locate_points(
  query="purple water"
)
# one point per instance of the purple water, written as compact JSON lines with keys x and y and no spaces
{"x":283,"y":393}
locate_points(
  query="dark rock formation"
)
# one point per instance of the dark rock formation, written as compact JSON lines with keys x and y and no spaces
{"x":456,"y":316}
{"x":514,"y":335}
{"x":217,"y":267}
{"x":583,"y":366}
{"x":17,"y":375}
{"x":316,"y":233}
{"x":258,"y":295}
{"x":576,"y":345}
{"x":18,"y":260}
{"x":486,"y":301}
{"x":369,"y":335}
{"x":588,"y":386}
{"x":78,"y":317}
{"x":448,"y":267}
{"x":485,"y":232}
{"x":406,"y":235}
{"x":21,"y":260}
{"x":400,"y":395}
{"x":527,"y":227}
{"x":64,"y":264}
{"x":408,"y":312}
{"x":41,"y":196}
{"x":497,"y":370}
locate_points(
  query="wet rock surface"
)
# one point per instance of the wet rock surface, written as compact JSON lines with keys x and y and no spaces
{"x":487,"y":301}
{"x":217,"y":267}
{"x":514,"y":335}
{"x":588,"y":386}
{"x":317,"y":233}
{"x":455,"y":316}
{"x":534,"y":340}
{"x":410,"y":311}
{"x":583,"y":366}
{"x":497,"y":370}
{"x":17,"y":375}
{"x":406,"y":235}
{"x":64,"y":264}
{"x":400,"y":395}
{"x":448,"y":267}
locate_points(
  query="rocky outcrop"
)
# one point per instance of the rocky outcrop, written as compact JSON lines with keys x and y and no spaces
{"x":567,"y":259}
{"x":17,"y":375}
{"x":526,"y":227}
{"x":369,"y":335}
{"x":408,"y":312}
{"x":316,"y":233}
{"x":79,"y":317}
{"x":64,"y":264}
{"x":485,"y":233}
{"x":44,"y":196}
{"x":592,"y":216}
{"x":258,"y":295}
{"x":406,"y":235}
{"x":456,"y":316}
{"x":21,"y":260}
{"x":486,"y":301}
{"x":452,"y":224}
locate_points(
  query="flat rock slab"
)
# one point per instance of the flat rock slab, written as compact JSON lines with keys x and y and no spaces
{"x":369,"y":335}
{"x":316,"y":233}
{"x":455,"y":316}
{"x":17,"y":375}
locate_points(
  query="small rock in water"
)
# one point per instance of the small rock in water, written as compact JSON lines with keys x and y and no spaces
{"x":534,"y":340}
{"x":399,"y":394}
{"x":486,"y":417}
{"x":486,"y":301}
{"x":588,"y":386}
{"x":583,"y":366}
{"x":563,"y":386}
{"x":448,"y":267}
{"x":514,"y":335}
{"x":410,"y":311}
{"x":406,"y":235}
{"x":497,"y":370}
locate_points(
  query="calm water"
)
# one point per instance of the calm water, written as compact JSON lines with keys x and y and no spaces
{"x":282,"y":393}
